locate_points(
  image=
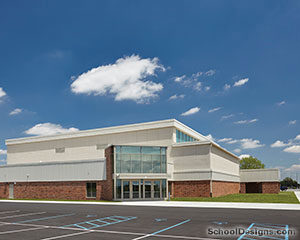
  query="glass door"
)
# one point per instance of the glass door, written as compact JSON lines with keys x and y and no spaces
{"x":126,"y":189}
{"x":156,"y":188}
{"x":148,"y":189}
{"x":135,"y":189}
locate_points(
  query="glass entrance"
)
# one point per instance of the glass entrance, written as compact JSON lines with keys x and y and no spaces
{"x":139,"y":189}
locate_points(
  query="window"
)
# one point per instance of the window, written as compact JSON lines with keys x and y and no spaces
{"x":135,"y":159}
{"x":182,"y":137}
{"x":91,"y":190}
{"x":60,"y":150}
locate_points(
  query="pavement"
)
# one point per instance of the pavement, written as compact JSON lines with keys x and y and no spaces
{"x":48,"y":221}
{"x":185,"y":204}
{"x":297,"y":193}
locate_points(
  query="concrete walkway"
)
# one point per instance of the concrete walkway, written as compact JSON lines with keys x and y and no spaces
{"x":271,"y":206}
{"x":297,"y":193}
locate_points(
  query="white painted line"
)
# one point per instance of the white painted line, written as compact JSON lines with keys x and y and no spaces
{"x":231,"y":205}
{"x":108,"y":231}
{"x":67,"y":235}
{"x":10,"y":212}
{"x":22,"y":230}
{"x":22,"y":215}
{"x":297,"y":193}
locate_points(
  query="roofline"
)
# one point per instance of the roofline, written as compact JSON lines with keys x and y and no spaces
{"x":109,"y":130}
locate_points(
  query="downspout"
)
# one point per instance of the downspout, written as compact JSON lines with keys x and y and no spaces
{"x":210,"y":183}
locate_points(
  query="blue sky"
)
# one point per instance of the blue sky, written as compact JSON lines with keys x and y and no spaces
{"x":238,"y":58}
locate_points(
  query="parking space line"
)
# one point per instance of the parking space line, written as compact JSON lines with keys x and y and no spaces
{"x":22,"y":230}
{"x":109,"y":231}
{"x":10,"y":212}
{"x":67,"y":235}
{"x":162,"y":230}
{"x":46,"y":218}
{"x":22,"y":215}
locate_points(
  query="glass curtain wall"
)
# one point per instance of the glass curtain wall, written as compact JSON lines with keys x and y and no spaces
{"x":182,"y":137}
{"x":133,"y":159}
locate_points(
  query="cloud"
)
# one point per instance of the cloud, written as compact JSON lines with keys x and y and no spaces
{"x":244,"y":156}
{"x":237,"y":150}
{"x":227,"y":86}
{"x":293,"y":168}
{"x":210,"y":137}
{"x":248,"y":143}
{"x":281,"y":103}
{"x":179,"y":79}
{"x":241,"y":82}
{"x":210,"y":72}
{"x":214,"y":109}
{"x":227,"y":116}
{"x":176,"y":96}
{"x":198,"y":86}
{"x":207,"y":88}
{"x":16,"y":111}
{"x":246,"y":121}
{"x":279,"y":143}
{"x":3,"y":152}
{"x":292,"y":149}
{"x":233,"y":141}
{"x":297,"y":137}
{"x":2,"y":93}
{"x":191,"y":111}
{"x":224,"y":139}
{"x":125,"y":80}
{"x":292,"y":122}
{"x":43,"y":129}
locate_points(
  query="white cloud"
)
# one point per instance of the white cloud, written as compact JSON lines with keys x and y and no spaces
{"x":244,"y":156}
{"x":198,"y":86}
{"x":292,"y":122}
{"x":292,"y":149}
{"x":179,"y":79}
{"x":237,"y":150}
{"x":281,"y":103}
{"x":293,"y":168}
{"x":227,"y":116}
{"x":248,"y":143}
{"x":227,"y":86}
{"x":3,"y":152}
{"x":210,"y":137}
{"x":210,"y":72}
{"x":2,"y":93}
{"x":176,"y":96}
{"x":125,"y":79}
{"x":241,"y":82}
{"x":297,"y":137}
{"x":191,"y":111}
{"x":16,"y":111}
{"x":279,"y":143}
{"x":224,"y":139}
{"x":233,"y":141}
{"x":246,"y":121}
{"x":43,"y":129}
{"x":214,"y":109}
{"x":207,"y":88}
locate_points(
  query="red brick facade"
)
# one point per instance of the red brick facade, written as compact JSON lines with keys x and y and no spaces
{"x":190,"y":189}
{"x":220,"y":188}
{"x":67,"y":190}
{"x":260,"y":187}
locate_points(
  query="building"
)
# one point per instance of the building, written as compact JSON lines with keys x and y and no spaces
{"x":131,"y":162}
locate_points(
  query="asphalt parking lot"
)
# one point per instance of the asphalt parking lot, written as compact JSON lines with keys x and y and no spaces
{"x":30,"y":221}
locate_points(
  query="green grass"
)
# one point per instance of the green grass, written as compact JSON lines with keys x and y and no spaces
{"x":282,"y":197}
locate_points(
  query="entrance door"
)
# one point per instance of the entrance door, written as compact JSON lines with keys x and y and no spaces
{"x":126,"y":189}
{"x":135,"y":189}
{"x":148,"y":189}
{"x":11,"y":191}
{"x":156,"y":189}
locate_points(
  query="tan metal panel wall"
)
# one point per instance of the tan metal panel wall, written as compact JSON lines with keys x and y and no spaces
{"x":56,"y":171}
{"x":260,"y":175}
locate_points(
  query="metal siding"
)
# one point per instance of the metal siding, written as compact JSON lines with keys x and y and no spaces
{"x":60,"y":171}
{"x":260,"y":175}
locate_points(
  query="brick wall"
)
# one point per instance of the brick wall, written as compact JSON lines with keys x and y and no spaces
{"x":270,"y":187}
{"x":191,"y":188}
{"x":221,"y":188}
{"x":107,"y":190}
{"x":3,"y":190}
{"x":242,"y":187}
